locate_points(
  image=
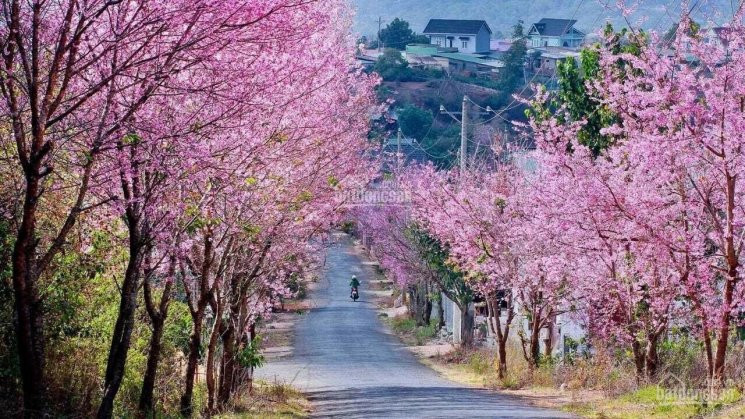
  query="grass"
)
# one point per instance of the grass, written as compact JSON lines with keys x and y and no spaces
{"x":654,"y":401}
{"x":472,"y":367}
{"x":588,"y":395}
{"x":405,"y":327}
{"x":736,"y":410}
{"x":270,"y":400}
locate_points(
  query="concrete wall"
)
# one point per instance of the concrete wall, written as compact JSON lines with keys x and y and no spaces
{"x":564,"y":329}
{"x":483,"y":40}
{"x":478,"y":43}
{"x":555,"y":41}
{"x":545,"y":41}
{"x":447,"y":308}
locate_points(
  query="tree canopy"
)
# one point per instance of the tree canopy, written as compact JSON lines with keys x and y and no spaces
{"x":398,"y":34}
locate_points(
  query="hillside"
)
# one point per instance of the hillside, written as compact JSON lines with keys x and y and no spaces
{"x":502,"y":14}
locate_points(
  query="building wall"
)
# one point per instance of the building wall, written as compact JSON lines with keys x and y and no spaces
{"x":447,"y":307}
{"x":470,"y":42}
{"x":483,"y":41}
{"x":479,"y":43}
{"x":564,"y":330}
{"x":571,"y":41}
{"x":555,"y":41}
{"x":438,"y":40}
{"x":545,"y":41}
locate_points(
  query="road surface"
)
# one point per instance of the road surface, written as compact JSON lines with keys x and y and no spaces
{"x":348,"y":366}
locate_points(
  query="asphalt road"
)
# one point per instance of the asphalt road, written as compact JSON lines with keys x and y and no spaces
{"x":350,"y":367}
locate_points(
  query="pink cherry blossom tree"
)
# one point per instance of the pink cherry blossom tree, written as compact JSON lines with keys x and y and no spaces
{"x":681,"y":117}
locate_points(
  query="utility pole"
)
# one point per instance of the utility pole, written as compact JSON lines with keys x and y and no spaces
{"x":398,"y":151}
{"x":464,"y":128}
{"x":380,"y":26}
{"x":464,"y":135}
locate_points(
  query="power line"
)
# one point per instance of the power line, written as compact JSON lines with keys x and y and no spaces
{"x":536,"y":74}
{"x":380,"y":27}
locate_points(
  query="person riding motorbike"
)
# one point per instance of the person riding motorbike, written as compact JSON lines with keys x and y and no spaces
{"x":355,"y":285}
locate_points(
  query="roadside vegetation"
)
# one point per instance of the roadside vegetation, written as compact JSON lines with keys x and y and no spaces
{"x":604,"y":386}
{"x":406,"y":328}
{"x":624,"y":228}
{"x":169,"y":171}
{"x":271,"y":401}
{"x":420,"y":91}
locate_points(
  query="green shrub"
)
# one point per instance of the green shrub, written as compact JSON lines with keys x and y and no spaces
{"x":249,"y":356}
{"x":681,"y":356}
{"x":348,"y":227}
{"x":297,"y":286}
{"x":403,"y":324}
{"x":425,"y":333}
{"x":480,"y":363}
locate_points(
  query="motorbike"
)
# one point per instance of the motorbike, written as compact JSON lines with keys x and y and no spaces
{"x":355,"y":294}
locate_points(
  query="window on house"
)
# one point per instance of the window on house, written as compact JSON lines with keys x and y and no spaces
{"x":464,"y":44}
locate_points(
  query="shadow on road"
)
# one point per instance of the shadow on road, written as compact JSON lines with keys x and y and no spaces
{"x":350,"y":366}
{"x":397,"y":401}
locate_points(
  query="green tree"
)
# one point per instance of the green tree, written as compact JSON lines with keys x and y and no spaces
{"x":574,"y":96}
{"x":579,"y":103}
{"x":442,"y":145}
{"x":450,"y":280}
{"x":392,"y":66}
{"x":512,"y":76}
{"x":692,"y":30}
{"x":414,"y":121}
{"x":398,"y":34}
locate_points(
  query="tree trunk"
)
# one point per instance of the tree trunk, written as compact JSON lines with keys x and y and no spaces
{"x":227,"y":366}
{"x":210,"y":367}
{"x":724,"y":325}
{"x":533,"y":353}
{"x":146,"y":405}
{"x":420,"y":306}
{"x":197,"y":308}
{"x":502,"y":336}
{"x":548,"y":343}
{"x":636,"y":350}
{"x":158,"y":319}
{"x":195,"y":342}
{"x":29,"y":318}
{"x":651,"y":359}
{"x":732,"y":259}
{"x":441,"y":313}
{"x":708,"y":351}
{"x":535,"y":348}
{"x":466,"y":326}
{"x":124,"y":324}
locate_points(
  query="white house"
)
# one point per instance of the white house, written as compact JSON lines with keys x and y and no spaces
{"x":544,"y":60}
{"x":720,"y":36}
{"x":469,"y":36}
{"x":555,"y":33}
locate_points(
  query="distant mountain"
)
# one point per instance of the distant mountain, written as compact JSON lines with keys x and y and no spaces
{"x":503,"y":14}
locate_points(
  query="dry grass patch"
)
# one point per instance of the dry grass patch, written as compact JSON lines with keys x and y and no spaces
{"x":652,"y":402}
{"x":405,"y":328}
{"x":270,"y":400}
{"x":594,"y":388}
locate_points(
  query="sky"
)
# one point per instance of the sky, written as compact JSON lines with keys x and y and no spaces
{"x":501,"y":15}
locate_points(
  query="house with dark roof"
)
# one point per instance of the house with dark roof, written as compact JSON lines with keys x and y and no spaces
{"x":555,"y":33}
{"x":406,"y":153}
{"x":720,"y":36}
{"x":468,"y":36}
